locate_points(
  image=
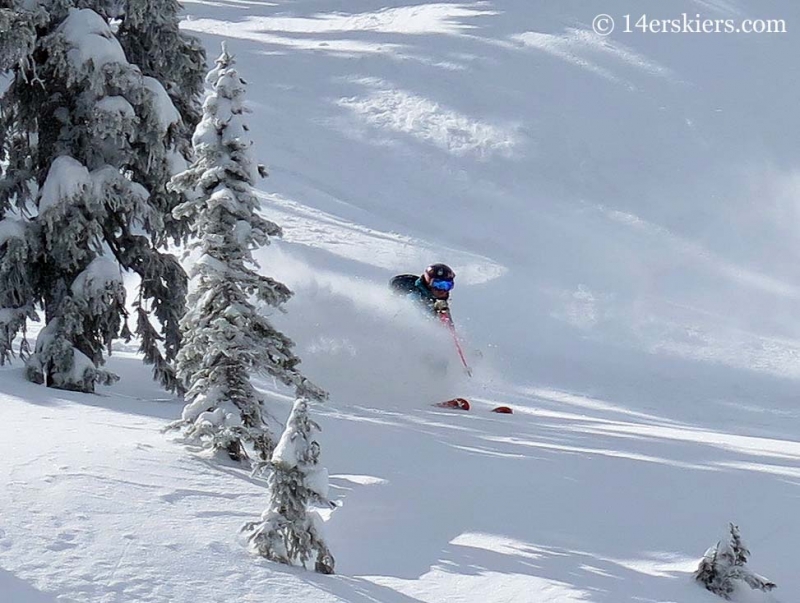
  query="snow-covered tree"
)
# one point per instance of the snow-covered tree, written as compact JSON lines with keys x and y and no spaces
{"x":81,"y":132}
{"x":225,"y":338}
{"x":17,"y":250}
{"x":19,"y":35}
{"x":289,"y":530}
{"x":150,"y":34}
{"x":724,"y":566}
{"x":148,"y":31}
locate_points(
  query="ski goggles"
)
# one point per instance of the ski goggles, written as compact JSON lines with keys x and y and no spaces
{"x":442,"y":285}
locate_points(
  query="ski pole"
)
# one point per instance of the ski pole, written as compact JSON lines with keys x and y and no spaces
{"x":452,"y":327}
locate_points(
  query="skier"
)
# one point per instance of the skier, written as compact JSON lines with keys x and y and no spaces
{"x":431,"y":290}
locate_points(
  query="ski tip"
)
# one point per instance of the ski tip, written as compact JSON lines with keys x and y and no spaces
{"x":503,"y":410}
{"x":457,"y":403}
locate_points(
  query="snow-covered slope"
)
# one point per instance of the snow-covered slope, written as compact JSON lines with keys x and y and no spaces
{"x":622,"y":213}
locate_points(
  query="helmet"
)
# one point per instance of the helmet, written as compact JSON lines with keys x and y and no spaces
{"x":438,"y":272}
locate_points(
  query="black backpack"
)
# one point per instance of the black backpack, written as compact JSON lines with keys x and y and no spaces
{"x":404,"y":284}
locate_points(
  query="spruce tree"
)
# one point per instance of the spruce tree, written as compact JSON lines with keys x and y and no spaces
{"x":18,"y":245}
{"x":724,"y":566}
{"x":150,"y":34}
{"x":289,"y":531}
{"x":148,"y":31}
{"x":82,"y":131}
{"x":225,"y":339}
{"x":18,"y":29}
{"x":18,"y":248}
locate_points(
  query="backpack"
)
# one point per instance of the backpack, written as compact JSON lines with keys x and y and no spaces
{"x":403,"y":284}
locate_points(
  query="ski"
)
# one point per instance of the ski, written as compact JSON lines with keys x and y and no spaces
{"x":463,"y":404}
{"x":457,"y":403}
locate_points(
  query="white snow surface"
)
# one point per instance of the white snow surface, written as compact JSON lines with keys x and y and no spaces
{"x":622,"y":214}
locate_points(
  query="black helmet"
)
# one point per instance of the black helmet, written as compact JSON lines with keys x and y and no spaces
{"x":438,"y":272}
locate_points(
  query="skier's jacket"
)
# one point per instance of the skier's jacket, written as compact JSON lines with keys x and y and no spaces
{"x":412,"y":286}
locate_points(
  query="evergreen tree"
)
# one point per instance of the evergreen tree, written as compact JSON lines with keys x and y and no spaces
{"x":225,"y":338}
{"x":19,"y":34}
{"x":148,"y":31}
{"x":18,"y":246}
{"x":725,"y":565}
{"x":289,"y":532}
{"x":17,"y":249}
{"x":150,"y":34}
{"x":81,"y":129}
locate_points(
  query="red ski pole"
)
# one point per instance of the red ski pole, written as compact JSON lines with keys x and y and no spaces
{"x":446,"y":319}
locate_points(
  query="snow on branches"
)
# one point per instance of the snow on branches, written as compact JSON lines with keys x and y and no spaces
{"x":724,"y":567}
{"x":225,"y":339}
{"x":17,"y":246}
{"x":88,"y":143}
{"x":289,"y":531}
